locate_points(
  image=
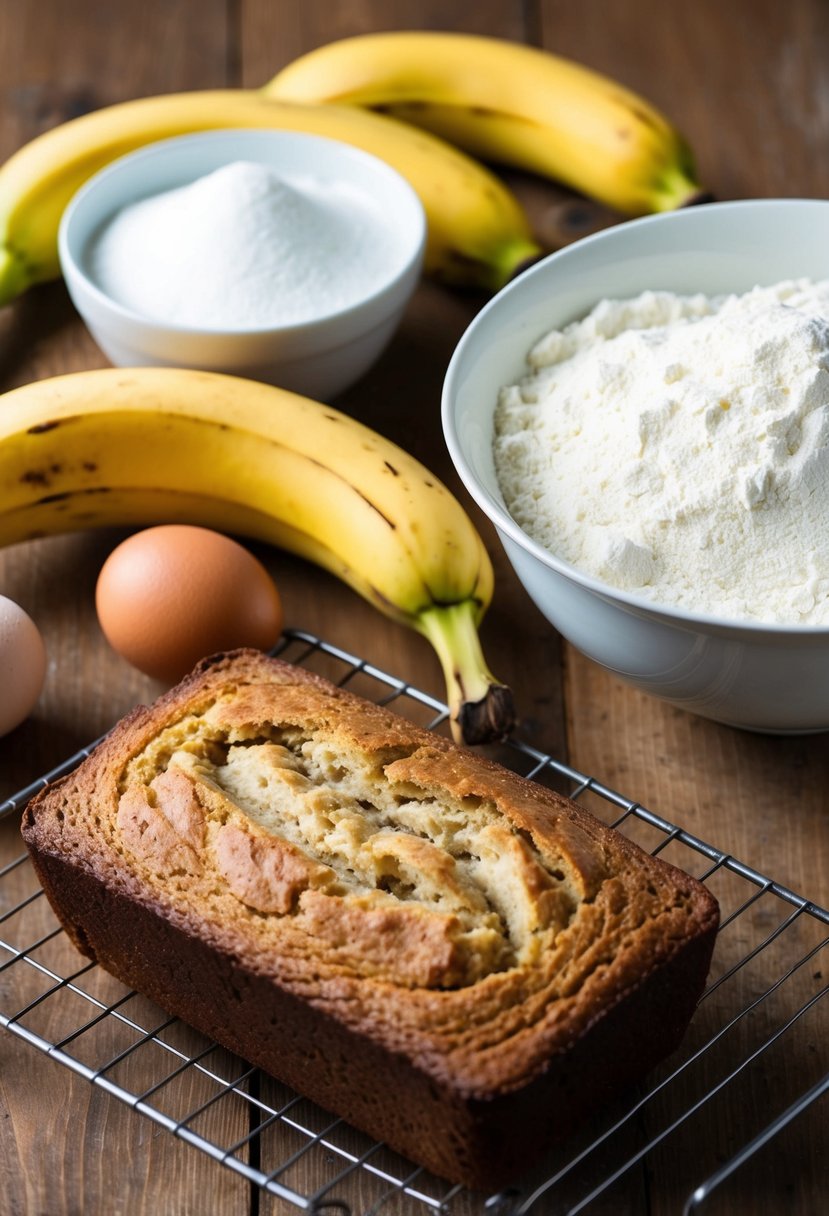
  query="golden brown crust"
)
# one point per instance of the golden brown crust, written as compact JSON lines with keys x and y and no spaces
{"x":421,"y":898}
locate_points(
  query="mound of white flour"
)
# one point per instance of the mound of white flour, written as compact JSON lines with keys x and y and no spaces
{"x":678,"y":447}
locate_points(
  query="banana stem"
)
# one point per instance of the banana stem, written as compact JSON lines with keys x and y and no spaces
{"x":481,"y":708}
{"x":511,"y":260}
{"x":678,"y":187}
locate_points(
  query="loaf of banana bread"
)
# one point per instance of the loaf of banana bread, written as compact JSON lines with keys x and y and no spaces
{"x":452,"y":958}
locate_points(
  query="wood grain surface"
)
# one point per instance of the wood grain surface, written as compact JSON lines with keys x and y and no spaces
{"x":748,"y":82}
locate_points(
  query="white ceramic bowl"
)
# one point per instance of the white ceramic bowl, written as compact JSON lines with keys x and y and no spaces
{"x":762,"y":677}
{"x":319,"y":358}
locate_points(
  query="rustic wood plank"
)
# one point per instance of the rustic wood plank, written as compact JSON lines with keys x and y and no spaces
{"x":274,"y":35}
{"x":66,"y":1147}
{"x":744,"y":81}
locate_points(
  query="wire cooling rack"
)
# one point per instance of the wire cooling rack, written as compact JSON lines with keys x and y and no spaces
{"x":752,"y":1062}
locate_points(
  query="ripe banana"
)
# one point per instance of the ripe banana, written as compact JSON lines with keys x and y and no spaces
{"x":152,"y":445}
{"x":478,"y":234}
{"x":511,"y":104}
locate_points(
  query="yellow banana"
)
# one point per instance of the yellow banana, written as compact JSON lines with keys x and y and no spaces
{"x":151,"y":445}
{"x":477,"y":232}
{"x":511,"y":104}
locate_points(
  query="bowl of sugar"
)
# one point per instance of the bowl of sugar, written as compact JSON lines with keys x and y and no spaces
{"x":276,"y":255}
{"x":644,"y":416}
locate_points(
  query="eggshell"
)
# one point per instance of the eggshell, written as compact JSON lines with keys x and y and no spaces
{"x":22,"y":664}
{"x":168,"y":596}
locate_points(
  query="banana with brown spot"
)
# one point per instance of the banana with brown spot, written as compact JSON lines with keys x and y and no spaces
{"x":151,"y":445}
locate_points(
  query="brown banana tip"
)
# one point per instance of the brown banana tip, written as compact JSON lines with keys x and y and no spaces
{"x":489,"y":720}
{"x":526,"y":263}
{"x":698,"y":198}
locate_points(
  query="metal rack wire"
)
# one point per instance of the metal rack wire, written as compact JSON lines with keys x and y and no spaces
{"x":767,"y":978}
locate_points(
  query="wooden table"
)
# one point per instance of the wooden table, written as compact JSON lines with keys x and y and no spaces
{"x":748,"y":82}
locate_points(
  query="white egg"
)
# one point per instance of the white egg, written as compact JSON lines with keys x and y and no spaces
{"x":22,"y":664}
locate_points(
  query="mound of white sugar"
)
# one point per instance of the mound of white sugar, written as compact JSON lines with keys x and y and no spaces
{"x":242,"y":248}
{"x":678,"y":448}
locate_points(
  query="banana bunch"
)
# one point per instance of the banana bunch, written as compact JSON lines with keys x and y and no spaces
{"x":478,"y":234}
{"x":511,"y":104}
{"x":153,"y":445}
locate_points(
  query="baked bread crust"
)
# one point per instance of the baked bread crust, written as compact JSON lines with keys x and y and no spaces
{"x":454,"y":959}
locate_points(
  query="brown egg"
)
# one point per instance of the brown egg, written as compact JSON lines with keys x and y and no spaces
{"x":168,"y":596}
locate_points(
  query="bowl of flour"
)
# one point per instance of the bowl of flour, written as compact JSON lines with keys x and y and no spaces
{"x":645,"y":418}
{"x":272,"y":254}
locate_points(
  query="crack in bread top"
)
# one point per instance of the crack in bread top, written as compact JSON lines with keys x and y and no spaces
{"x":338,"y":836}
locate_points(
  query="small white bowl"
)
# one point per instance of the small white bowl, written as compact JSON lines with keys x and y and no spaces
{"x":318,"y":358}
{"x":771,"y":678}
